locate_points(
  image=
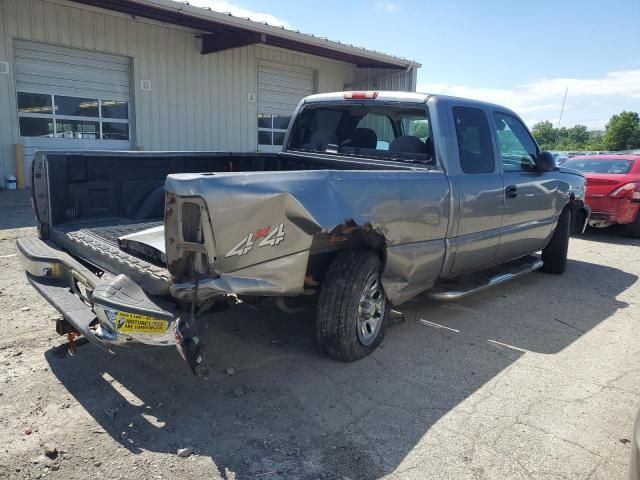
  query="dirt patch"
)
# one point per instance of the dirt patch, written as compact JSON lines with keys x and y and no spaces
{"x":536,"y":378}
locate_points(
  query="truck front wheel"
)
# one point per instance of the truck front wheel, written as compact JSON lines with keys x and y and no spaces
{"x":352,"y":306}
{"x":554,"y":255}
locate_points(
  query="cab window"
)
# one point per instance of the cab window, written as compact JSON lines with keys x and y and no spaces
{"x":474,"y":140}
{"x":372,"y":129}
{"x":380,"y":126}
{"x":516,"y":148}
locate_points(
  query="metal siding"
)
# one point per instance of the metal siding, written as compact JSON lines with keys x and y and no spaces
{"x":43,"y":68}
{"x":196,"y":101}
{"x":7,"y":101}
{"x":384,"y":79}
{"x":234,"y":139}
{"x":281,"y":87}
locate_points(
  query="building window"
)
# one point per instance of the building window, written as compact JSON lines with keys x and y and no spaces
{"x":60,"y":116}
{"x":272,"y":128}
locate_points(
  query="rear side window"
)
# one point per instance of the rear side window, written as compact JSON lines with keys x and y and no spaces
{"x":474,"y":140}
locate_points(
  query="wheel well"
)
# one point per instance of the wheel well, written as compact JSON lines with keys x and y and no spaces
{"x":327,"y":244}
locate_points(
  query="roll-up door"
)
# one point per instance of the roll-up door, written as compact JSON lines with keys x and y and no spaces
{"x":280,"y":88}
{"x":70,"y":99}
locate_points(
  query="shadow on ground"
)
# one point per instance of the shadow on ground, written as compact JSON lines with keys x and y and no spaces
{"x":614,"y":235}
{"x":288,"y":412}
{"x":16,"y":208}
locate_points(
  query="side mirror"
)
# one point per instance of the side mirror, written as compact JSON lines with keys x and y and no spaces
{"x":545,"y":161}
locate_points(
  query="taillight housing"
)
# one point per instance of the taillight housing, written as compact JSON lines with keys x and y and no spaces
{"x":628,"y":190}
{"x":361,"y":95}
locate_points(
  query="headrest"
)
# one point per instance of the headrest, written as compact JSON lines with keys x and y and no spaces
{"x":364,"y":138}
{"x":409,"y":144}
{"x":323,"y":137}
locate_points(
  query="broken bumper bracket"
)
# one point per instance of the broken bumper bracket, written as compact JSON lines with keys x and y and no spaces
{"x":188,"y":338}
{"x":189,"y":345}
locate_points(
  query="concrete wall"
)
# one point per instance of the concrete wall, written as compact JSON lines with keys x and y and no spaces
{"x":197,"y":102}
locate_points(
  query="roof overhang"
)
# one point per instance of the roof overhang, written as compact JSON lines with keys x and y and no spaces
{"x":221,"y":31}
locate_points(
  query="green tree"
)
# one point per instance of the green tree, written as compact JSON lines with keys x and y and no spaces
{"x":562,"y":140}
{"x":420,"y":129}
{"x":596,"y":140}
{"x":545,"y":134}
{"x":623,"y":132}
{"x":578,"y":135}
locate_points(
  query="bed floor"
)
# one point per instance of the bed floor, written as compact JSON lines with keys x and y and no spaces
{"x":96,"y":242}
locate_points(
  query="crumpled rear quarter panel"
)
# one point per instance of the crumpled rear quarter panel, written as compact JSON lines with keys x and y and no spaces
{"x":409,"y":209}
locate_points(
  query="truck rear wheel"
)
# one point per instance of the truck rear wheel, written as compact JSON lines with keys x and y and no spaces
{"x":554,"y":255}
{"x":352,"y":306}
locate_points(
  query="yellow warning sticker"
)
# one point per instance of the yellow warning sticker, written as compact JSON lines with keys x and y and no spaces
{"x":133,"y":322}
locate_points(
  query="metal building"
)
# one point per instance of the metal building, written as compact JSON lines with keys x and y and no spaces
{"x":161,"y":75}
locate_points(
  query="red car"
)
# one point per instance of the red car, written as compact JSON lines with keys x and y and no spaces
{"x":613,"y":189}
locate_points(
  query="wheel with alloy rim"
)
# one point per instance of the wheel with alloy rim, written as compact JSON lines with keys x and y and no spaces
{"x":352,"y":306}
{"x":371,"y":310}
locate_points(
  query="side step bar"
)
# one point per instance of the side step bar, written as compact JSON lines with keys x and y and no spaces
{"x":450,"y":290}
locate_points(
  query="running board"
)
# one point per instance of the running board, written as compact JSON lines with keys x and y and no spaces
{"x":450,"y":290}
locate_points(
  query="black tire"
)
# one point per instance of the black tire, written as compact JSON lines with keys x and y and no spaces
{"x":339,"y":314}
{"x":633,"y":228}
{"x":554,"y":255}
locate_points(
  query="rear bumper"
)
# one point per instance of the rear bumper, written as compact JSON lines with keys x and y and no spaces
{"x":113,"y":311}
{"x":608,"y":211}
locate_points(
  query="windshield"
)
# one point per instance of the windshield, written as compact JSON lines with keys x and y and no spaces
{"x":393,"y":132}
{"x":612,"y":166}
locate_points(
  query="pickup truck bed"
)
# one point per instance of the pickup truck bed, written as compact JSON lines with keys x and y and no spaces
{"x":86,"y":201}
{"x":96,"y":242}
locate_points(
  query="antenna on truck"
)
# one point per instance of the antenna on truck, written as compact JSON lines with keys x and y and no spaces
{"x":555,"y":142}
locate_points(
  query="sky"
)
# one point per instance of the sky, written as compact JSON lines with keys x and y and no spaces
{"x":521,"y":54}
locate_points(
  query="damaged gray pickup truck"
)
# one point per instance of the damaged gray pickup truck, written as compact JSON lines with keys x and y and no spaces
{"x":375,"y":198}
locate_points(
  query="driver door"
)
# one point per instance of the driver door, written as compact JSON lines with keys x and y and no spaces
{"x":529,"y":213}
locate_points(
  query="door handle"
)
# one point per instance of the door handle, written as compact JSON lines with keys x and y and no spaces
{"x":511,"y":191}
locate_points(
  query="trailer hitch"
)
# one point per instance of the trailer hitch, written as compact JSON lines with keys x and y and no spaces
{"x":188,"y":339}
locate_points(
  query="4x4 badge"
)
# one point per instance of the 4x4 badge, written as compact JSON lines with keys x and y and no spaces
{"x":270,"y":238}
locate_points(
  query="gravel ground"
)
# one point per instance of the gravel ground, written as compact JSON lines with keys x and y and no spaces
{"x":536,"y":379}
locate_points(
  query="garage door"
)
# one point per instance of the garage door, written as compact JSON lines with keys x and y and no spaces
{"x":71,"y":99}
{"x":280,"y":88}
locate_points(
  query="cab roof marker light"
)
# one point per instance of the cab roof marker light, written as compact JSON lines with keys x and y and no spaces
{"x":361,"y":95}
